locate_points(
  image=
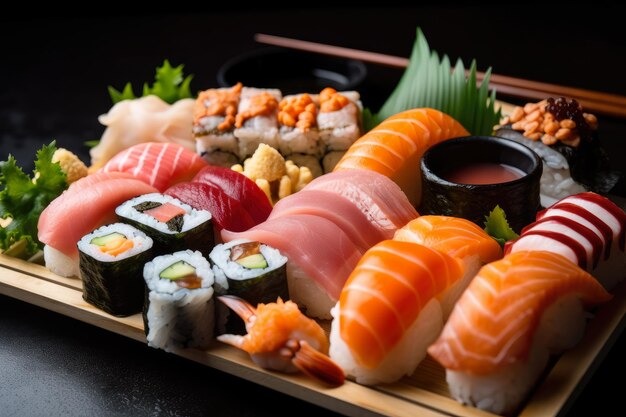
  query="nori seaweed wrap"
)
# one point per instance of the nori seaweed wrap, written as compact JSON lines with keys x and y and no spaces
{"x":111,"y":263}
{"x":172,"y":224}
{"x":250,"y":270}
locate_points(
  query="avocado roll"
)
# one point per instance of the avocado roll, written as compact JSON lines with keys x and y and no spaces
{"x":172,"y":224}
{"x":111,"y":261}
{"x":179,"y":308}
{"x":250,"y":270}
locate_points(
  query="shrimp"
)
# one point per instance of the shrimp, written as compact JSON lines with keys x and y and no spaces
{"x":281,"y":338}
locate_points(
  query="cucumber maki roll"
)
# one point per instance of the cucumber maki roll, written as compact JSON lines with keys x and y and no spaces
{"x":111,"y":261}
{"x":172,"y":224}
{"x":179,"y":308}
{"x":250,"y":270}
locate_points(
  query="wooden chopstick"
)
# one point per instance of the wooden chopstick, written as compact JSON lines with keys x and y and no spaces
{"x":592,"y":101}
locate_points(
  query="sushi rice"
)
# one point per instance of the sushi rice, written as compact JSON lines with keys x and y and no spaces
{"x":178,"y":317}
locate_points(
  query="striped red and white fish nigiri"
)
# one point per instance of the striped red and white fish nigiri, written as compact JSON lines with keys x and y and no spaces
{"x":456,"y":237}
{"x":515,"y":313}
{"x":159,"y":164}
{"x":389,"y":310}
{"x":586,"y":228}
{"x":86,"y":205}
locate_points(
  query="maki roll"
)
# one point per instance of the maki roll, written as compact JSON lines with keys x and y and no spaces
{"x":179,"y":306}
{"x":339,"y":118}
{"x":111,"y":261}
{"x":214,"y":125}
{"x":250,"y":270}
{"x":297,"y":118}
{"x":257,"y":119}
{"x":172,"y":224}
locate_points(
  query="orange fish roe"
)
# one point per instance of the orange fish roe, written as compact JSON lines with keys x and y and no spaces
{"x":275,"y":323}
{"x":221,"y":102}
{"x":117,"y":246}
{"x":331,"y":100}
{"x":260,"y":105}
{"x":299,"y":111}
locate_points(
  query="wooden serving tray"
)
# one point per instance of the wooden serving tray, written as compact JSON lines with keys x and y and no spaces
{"x":425,"y":393}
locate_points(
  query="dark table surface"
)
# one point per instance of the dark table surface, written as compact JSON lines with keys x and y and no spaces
{"x":54,"y":74}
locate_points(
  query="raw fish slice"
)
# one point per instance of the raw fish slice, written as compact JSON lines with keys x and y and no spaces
{"x":80,"y":210}
{"x":386,"y":292}
{"x":314,"y":244}
{"x":382,"y":201}
{"x":240,"y":188}
{"x":394,"y":147}
{"x":226,"y":212}
{"x":494,"y":322}
{"x":92,"y":179}
{"x":339,"y":210}
{"x":158,"y":164}
{"x":453,"y":236}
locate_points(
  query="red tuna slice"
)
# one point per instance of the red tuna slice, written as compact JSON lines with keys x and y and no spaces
{"x":227,"y":213}
{"x":158,"y":164}
{"x":239,"y":187}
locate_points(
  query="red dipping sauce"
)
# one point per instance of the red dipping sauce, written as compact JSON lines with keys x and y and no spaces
{"x":484,"y":173}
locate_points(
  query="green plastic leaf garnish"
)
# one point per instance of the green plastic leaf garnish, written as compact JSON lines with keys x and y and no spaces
{"x":429,"y":82}
{"x":23,"y":198}
{"x":498,"y":227}
{"x":170,"y":85}
{"x":91,"y":143}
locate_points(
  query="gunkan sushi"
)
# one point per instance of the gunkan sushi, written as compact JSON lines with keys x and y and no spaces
{"x":111,"y":262}
{"x":250,"y":270}
{"x":179,"y":306}
{"x":172,"y":224}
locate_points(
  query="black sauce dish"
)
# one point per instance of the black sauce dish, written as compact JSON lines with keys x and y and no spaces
{"x":292,"y":71}
{"x":519,"y":198}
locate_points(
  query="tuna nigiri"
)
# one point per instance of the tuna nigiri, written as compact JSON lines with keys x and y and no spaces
{"x":394,"y":147}
{"x":456,"y":237}
{"x":515,"y":313}
{"x":158,"y":164}
{"x":388,"y":312}
{"x":587,"y":229}
{"x":87,"y":205}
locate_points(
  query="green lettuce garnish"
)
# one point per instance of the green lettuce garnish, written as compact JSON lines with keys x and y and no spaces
{"x":429,"y":82}
{"x":498,"y":227}
{"x":22,"y":199}
{"x":170,"y":85}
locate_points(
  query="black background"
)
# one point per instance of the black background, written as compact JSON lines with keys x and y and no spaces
{"x":54,"y":72}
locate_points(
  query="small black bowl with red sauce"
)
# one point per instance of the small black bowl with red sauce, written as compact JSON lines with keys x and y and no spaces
{"x":467,"y":177}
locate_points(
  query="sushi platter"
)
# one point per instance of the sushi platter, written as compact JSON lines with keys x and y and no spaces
{"x":425,"y":393}
{"x":276,"y":237}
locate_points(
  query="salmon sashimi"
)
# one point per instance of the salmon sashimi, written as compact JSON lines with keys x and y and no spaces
{"x":456,"y":237}
{"x":379,"y":198}
{"x":79,"y":211}
{"x":494,"y":322}
{"x":388,"y":312}
{"x":158,"y":164}
{"x":394,"y":147}
{"x":451,"y":235}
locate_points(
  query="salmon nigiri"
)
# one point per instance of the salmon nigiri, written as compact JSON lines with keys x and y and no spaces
{"x":159,"y":164}
{"x":456,"y":237}
{"x":389,"y":312}
{"x":394,"y":147}
{"x":515,"y":313}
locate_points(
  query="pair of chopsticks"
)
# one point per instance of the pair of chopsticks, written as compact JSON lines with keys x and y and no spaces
{"x":592,"y":101}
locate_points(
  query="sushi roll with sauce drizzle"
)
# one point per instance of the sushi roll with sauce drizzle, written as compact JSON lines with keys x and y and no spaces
{"x":179,"y":306}
{"x":249,"y":270}
{"x":111,"y":262}
{"x":214,"y":125}
{"x":257,"y":119}
{"x":172,"y":224}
